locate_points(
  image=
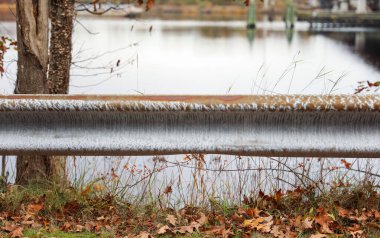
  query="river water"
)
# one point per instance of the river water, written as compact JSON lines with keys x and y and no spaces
{"x":121,"y":56}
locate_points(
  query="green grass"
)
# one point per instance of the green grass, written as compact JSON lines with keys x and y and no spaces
{"x":55,"y":197}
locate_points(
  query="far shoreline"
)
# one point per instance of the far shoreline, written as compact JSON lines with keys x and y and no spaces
{"x":167,"y":12}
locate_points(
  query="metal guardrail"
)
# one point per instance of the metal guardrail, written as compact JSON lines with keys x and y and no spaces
{"x":311,"y":126}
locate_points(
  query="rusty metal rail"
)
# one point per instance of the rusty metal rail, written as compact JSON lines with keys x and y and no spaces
{"x":312,"y":126}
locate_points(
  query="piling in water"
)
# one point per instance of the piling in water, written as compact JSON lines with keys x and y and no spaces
{"x":251,"y":18}
{"x":289,"y":14}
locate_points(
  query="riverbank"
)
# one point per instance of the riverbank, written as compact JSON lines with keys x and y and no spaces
{"x":95,"y":210}
{"x":7,"y":12}
{"x":206,"y":11}
{"x":197,"y":12}
{"x":190,"y":12}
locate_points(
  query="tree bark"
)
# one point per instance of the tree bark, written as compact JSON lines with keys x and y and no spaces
{"x":36,"y":169}
{"x":33,"y":41}
{"x":62,"y":14}
{"x":32,"y":44}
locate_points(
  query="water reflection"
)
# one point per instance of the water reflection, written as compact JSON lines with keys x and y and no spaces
{"x":364,"y":43}
{"x":289,"y":34}
{"x":251,"y":33}
{"x":216,"y":57}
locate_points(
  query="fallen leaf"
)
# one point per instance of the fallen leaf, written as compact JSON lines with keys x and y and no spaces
{"x":237,"y":218}
{"x":276,"y":232}
{"x":265,"y":227}
{"x":16,"y":233}
{"x":253,"y":212}
{"x":185,"y":229}
{"x":278,"y":195}
{"x":143,"y":234}
{"x":34,"y":208}
{"x":17,"y":218}
{"x":79,"y":228}
{"x":163,"y":230}
{"x":282,"y":232}
{"x":241,"y":211}
{"x":307,"y":223}
{"x":354,"y":227}
{"x":9,"y":227}
{"x":262,"y":224}
{"x":343,"y":212}
{"x":203,"y":219}
{"x":89,"y":225}
{"x":36,"y":225}
{"x":27,"y":222}
{"x":323,"y":219}
{"x":66,"y":226}
{"x":195,"y":225}
{"x":377,"y":215}
{"x":297,"y":222}
{"x":98,"y":227}
{"x":318,"y":235}
{"x":71,"y":208}
{"x":219,"y":231}
{"x":171,"y":219}
{"x":357,"y":234}
{"x":363,"y":217}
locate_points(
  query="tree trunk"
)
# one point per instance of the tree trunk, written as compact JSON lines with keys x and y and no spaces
{"x":32,"y":34}
{"x":35,"y":169}
{"x":62,"y":14}
{"x":32,"y":44}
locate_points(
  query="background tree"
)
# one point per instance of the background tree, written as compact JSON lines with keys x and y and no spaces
{"x":33,"y":76}
{"x":62,"y":13}
{"x":43,"y":70}
{"x":33,"y":41}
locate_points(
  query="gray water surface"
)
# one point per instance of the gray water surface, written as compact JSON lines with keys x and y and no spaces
{"x":214,"y":57}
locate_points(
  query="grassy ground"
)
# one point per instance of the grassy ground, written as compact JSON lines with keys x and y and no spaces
{"x":199,"y":196}
{"x":49,"y":211}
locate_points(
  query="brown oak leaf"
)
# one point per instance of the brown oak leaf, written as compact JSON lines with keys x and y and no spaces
{"x":171,"y":219}
{"x":323,"y":219}
{"x":163,"y":230}
{"x":16,"y":233}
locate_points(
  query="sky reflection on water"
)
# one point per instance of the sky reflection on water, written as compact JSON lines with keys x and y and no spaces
{"x":205,"y":57}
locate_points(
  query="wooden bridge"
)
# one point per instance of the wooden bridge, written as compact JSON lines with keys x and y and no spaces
{"x":312,"y":126}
